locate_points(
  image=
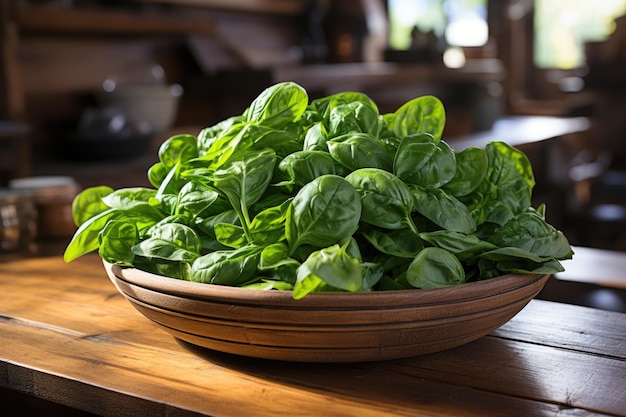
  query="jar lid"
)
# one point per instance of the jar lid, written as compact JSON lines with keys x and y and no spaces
{"x":46,"y":187}
{"x":9,"y":196}
{"x":41,"y":182}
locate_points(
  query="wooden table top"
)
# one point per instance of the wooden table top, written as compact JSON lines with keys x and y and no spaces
{"x":67,"y":336}
{"x":523,"y":130}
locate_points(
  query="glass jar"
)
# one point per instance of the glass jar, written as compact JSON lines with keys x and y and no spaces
{"x":18,"y":220}
{"x":52,"y":197}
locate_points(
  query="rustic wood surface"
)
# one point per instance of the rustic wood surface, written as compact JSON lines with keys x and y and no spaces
{"x":69,"y":337}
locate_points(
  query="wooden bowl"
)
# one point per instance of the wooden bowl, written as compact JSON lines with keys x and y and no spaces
{"x":326,"y":327}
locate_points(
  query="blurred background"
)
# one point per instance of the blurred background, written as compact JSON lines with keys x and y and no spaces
{"x":89,"y":89}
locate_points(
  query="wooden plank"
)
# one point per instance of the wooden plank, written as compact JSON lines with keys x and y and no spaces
{"x":101,"y":374}
{"x":600,"y":332}
{"x":43,"y":19}
{"x":570,"y":378}
{"x":68,"y":337}
{"x":596,"y":266}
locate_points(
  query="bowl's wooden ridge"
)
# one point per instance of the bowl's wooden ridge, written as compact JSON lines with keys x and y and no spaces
{"x":326,"y":327}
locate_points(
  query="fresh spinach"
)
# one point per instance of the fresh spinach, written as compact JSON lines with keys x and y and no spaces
{"x":326,"y":195}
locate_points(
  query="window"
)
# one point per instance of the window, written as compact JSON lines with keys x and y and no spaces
{"x":458,"y":22}
{"x":563,"y":26}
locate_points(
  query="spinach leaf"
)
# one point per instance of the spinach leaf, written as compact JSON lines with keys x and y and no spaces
{"x":268,"y":226}
{"x":507,"y":187}
{"x":116,"y":241}
{"x":88,"y":203}
{"x":170,"y":241}
{"x":423,"y":161}
{"x":359,"y":150}
{"x":315,"y":138}
{"x":530,"y":232}
{"x":442,"y":209}
{"x":157,"y":174}
{"x":424,"y":114}
{"x":386,"y":200}
{"x":403,"y":243}
{"x":323,"y":212}
{"x":194,"y":198}
{"x":178,"y":149}
{"x":334,"y":266}
{"x":471,"y":168}
{"x":325,"y":105}
{"x":85,"y":239}
{"x":463,"y":246}
{"x":206,"y":227}
{"x":227,"y":267}
{"x":302,"y":167}
{"x":244,"y":180}
{"x":230,"y":235}
{"x":435,"y":267}
{"x":356,"y":116}
{"x":278,"y":105}
{"x":208,"y":135}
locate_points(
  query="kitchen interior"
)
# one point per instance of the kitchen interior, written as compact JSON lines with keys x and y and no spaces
{"x":90,"y":89}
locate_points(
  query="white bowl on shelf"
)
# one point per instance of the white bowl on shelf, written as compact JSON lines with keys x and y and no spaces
{"x":155,"y":104}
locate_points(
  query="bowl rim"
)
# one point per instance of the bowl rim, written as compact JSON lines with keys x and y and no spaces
{"x":411,"y":297}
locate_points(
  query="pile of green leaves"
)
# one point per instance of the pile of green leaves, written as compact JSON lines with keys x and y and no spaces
{"x":326,"y":195}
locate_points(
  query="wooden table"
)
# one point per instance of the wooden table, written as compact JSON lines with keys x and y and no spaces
{"x":68,"y":337}
{"x":519,"y":131}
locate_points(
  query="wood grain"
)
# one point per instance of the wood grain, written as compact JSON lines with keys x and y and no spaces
{"x":68,"y":336}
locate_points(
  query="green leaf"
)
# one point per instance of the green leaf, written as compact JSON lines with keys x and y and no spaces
{"x":463,"y":246}
{"x":530,"y":232}
{"x":334,"y":266}
{"x":230,"y":235}
{"x":360,"y":150}
{"x":303,"y":167}
{"x":135,"y":198}
{"x":85,"y":239}
{"x":269,"y":284}
{"x":178,"y":149}
{"x":268,"y":226}
{"x":433,"y":268}
{"x":423,"y":161}
{"x":228,"y":267}
{"x":278,"y":105}
{"x":116,"y":241}
{"x":507,"y":187}
{"x":170,"y":241}
{"x":315,"y":138}
{"x":471,"y":168}
{"x":88,"y":203}
{"x":424,"y":114}
{"x":386,"y":200}
{"x":442,"y":209}
{"x":194,"y":198}
{"x":353,"y":117}
{"x":244,"y":180}
{"x":324,"y":212}
{"x":403,"y":243}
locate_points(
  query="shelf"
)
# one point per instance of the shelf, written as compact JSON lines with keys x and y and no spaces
{"x":363,"y":75}
{"x":283,"y":7}
{"x":42,"y":19}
